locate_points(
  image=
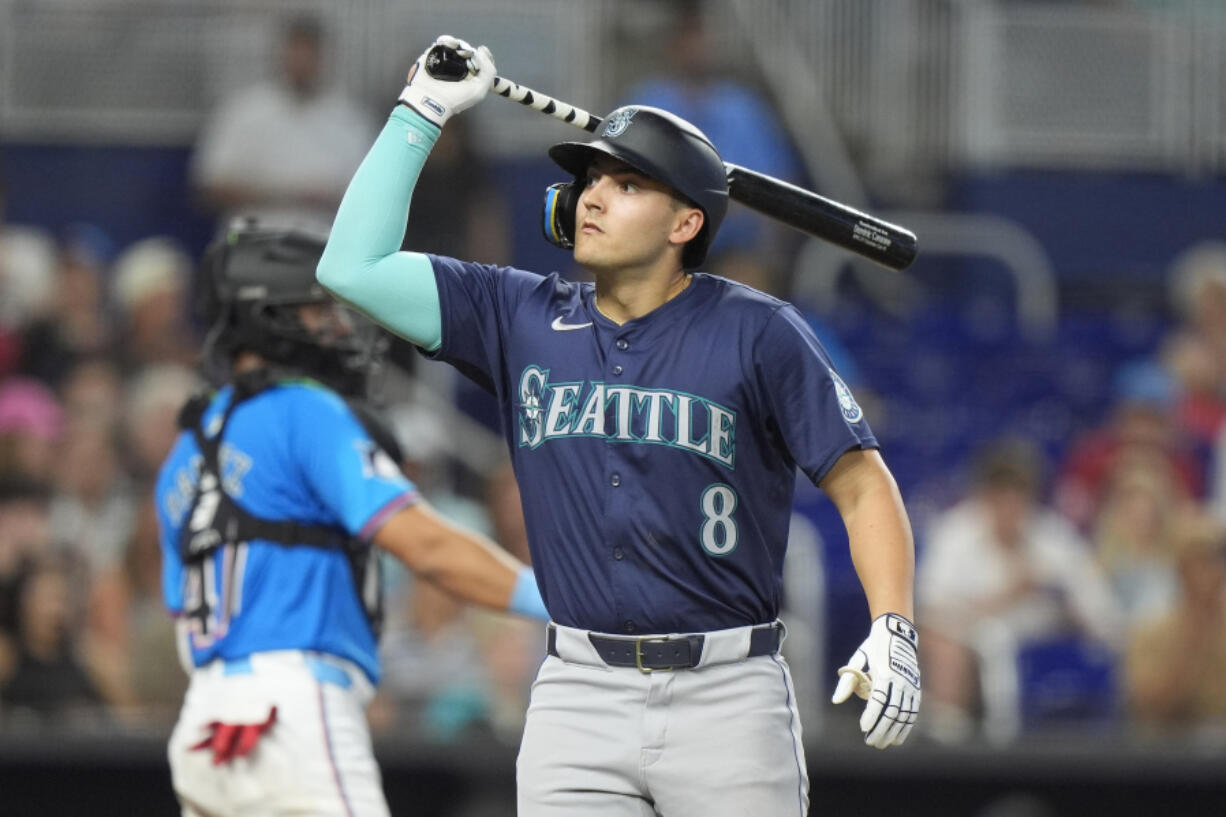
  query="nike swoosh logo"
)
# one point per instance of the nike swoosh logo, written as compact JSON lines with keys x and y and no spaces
{"x":558,"y":326}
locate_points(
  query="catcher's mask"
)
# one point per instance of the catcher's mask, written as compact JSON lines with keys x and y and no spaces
{"x":258,"y":293}
{"x":658,"y":144}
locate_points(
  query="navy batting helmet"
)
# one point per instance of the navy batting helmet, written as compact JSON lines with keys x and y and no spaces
{"x":251,"y":281}
{"x":658,"y":144}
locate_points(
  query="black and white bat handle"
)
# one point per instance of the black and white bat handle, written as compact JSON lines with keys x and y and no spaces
{"x":445,"y":64}
{"x":546,"y":104}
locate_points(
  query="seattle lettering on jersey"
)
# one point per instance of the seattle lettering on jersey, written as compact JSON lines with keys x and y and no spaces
{"x":621,"y":413}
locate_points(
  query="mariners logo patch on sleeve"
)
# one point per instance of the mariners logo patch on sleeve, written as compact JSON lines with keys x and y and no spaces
{"x":847,"y":403}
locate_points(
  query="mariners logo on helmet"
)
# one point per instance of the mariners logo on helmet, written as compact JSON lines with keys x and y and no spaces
{"x":852,"y":412}
{"x":618,"y":122}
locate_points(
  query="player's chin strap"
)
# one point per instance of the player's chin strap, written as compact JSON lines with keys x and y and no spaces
{"x":215,"y":521}
{"x":558,"y":213}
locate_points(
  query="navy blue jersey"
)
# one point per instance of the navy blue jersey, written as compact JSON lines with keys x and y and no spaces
{"x":294,"y":452}
{"x":656,"y":459}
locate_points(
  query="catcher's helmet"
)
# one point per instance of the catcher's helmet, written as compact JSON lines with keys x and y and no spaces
{"x":251,"y":281}
{"x":657,"y":143}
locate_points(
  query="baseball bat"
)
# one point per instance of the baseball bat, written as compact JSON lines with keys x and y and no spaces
{"x":878,"y":240}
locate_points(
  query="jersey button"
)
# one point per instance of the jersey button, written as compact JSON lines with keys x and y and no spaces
{"x":623,"y":344}
{"x":615,"y":480}
{"x":617,"y":369}
{"x":629,"y":626}
{"x":618,"y":554}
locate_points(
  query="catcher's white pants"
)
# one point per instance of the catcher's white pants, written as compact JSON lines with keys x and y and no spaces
{"x":720,"y":740}
{"x":315,"y":761}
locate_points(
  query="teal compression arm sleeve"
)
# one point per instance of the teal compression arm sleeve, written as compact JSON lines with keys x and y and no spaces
{"x":362,"y":263}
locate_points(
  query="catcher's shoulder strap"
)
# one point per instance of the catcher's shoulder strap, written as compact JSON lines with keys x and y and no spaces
{"x":214,"y":517}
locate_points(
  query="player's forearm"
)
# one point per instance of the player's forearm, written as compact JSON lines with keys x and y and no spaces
{"x":472,"y":568}
{"x":465,"y":564}
{"x":884,"y":557}
{"x":878,"y":533}
{"x":362,"y":264}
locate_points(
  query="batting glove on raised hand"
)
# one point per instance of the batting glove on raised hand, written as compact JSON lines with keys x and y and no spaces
{"x":451,"y":76}
{"x":885,"y":672}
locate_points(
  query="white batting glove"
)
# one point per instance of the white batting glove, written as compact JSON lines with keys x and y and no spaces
{"x":885,"y":672}
{"x":451,"y":76}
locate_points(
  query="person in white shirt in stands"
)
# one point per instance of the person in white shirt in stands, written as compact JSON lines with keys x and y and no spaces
{"x":283,"y":149}
{"x":998,"y":570}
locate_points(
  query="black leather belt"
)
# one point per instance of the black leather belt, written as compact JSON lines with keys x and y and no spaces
{"x":665,"y":652}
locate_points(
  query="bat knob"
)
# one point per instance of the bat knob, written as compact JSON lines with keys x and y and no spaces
{"x":444,"y":63}
{"x":864,"y":684}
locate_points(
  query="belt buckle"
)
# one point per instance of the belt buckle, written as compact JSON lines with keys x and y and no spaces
{"x":638,"y":655}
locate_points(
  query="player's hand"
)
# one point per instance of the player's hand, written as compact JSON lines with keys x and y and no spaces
{"x":451,"y":76}
{"x":885,"y":672}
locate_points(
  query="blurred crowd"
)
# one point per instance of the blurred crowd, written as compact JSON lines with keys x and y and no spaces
{"x":1092,"y":589}
{"x":1088,"y":589}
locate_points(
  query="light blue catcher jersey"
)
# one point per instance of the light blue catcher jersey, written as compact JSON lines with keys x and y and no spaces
{"x":656,"y":459}
{"x":294,"y":452}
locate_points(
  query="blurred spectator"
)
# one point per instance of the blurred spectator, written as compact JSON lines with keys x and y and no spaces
{"x":138,"y":638}
{"x":1176,"y":665}
{"x":151,"y":403}
{"x":47,"y":683}
{"x":1196,"y":353}
{"x":1132,"y":539}
{"x":1141,"y":429}
{"x":31,"y":422}
{"x":1195,"y":349}
{"x":1000,"y":570}
{"x":91,"y":393}
{"x":1196,"y":286}
{"x":27,"y":269}
{"x":1200,"y":406}
{"x":77,"y":324}
{"x":93,"y":508}
{"x":150,"y":283}
{"x":285,"y":147}
{"x":695,"y":86}
{"x":25,"y":523}
{"x":93,"y":514}
{"x":25,"y":535}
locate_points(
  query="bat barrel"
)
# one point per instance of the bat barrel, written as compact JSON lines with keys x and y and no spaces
{"x":878,"y":240}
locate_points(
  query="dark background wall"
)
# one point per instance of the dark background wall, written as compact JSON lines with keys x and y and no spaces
{"x":55,"y":776}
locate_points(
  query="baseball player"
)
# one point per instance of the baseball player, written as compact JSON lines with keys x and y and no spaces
{"x":655,"y":420}
{"x":268,"y":506}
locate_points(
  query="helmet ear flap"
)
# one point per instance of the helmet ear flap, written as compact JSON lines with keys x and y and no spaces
{"x":558,"y":214}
